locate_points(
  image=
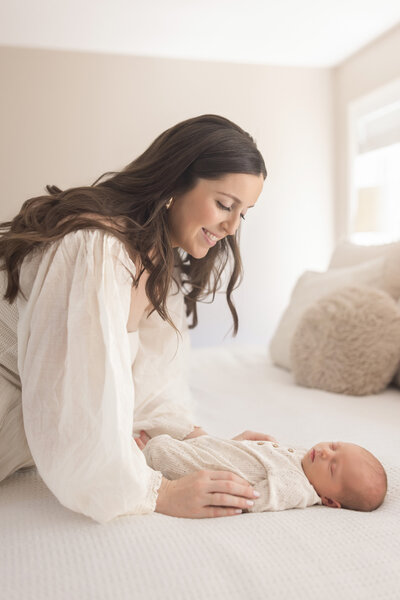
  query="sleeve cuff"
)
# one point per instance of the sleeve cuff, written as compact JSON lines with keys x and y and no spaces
{"x":177,"y":431}
{"x":155,"y":484}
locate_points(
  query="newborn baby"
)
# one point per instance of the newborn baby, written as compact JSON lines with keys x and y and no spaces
{"x":336,"y":474}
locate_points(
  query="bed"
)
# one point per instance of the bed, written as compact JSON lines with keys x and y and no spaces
{"x":50,"y":552}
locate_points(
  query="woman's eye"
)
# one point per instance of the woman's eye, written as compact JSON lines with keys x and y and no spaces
{"x":228,"y":208}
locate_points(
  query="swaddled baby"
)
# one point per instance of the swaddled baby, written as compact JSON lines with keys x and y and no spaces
{"x":336,"y":474}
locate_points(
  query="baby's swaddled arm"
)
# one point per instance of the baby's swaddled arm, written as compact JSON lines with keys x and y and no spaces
{"x":284,"y":489}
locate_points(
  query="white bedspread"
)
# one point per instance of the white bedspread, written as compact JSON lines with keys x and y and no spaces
{"x":49,"y":552}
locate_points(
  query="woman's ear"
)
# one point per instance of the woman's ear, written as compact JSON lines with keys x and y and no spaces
{"x":329,"y":502}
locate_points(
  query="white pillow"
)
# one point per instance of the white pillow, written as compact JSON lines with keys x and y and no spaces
{"x":311,"y":287}
{"x":347,"y":254}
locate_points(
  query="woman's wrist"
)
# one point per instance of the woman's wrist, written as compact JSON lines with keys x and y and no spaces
{"x":197,"y":431}
{"x":162,"y":491}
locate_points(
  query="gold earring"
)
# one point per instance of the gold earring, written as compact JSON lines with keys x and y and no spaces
{"x":168,"y":204}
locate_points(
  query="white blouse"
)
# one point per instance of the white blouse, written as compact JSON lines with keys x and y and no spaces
{"x":82,"y":398}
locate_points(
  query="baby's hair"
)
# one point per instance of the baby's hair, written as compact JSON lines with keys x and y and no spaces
{"x":369,"y":496}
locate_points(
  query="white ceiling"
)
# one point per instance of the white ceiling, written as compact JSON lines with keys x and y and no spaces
{"x":318,"y":33}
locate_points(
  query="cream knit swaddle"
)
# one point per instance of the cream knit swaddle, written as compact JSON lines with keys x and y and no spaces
{"x":273,"y":469}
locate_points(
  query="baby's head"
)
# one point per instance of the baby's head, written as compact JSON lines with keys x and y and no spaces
{"x":345,"y":475}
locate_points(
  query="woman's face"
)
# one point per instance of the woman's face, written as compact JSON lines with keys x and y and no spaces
{"x":211,"y":211}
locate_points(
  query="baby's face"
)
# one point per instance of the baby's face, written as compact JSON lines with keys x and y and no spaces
{"x":330,"y":466}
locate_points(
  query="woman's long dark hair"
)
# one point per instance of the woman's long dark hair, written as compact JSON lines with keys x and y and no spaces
{"x":131,"y":205}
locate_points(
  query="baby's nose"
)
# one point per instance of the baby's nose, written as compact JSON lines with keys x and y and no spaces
{"x":322,"y":453}
{"x":326,"y":452}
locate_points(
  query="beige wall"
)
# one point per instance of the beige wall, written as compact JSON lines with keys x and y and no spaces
{"x":374,"y":66}
{"x":68,"y":117}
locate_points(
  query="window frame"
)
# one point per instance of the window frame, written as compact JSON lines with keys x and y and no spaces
{"x":356,"y":110}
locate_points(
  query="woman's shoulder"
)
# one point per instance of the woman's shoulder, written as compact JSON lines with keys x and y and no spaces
{"x":78,"y":249}
{"x":96,"y":244}
{"x":97,"y":238}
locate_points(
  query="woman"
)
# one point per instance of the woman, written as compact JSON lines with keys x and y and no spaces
{"x":95,"y":281}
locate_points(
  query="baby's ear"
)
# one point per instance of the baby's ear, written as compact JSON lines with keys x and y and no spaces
{"x":329,"y":502}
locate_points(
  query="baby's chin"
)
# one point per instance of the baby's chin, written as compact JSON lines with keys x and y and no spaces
{"x":306,"y":463}
{"x":307,"y":459}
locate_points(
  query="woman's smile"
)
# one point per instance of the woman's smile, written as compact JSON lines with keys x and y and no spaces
{"x":210,"y":237}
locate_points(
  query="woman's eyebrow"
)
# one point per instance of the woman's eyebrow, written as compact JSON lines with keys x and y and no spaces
{"x":233,"y":198}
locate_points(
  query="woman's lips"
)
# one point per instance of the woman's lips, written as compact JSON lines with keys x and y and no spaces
{"x":210,"y":241}
{"x":312,"y":454}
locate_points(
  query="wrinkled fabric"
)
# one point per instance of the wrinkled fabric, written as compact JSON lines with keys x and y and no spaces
{"x":163,"y":402}
{"x":75,"y":367}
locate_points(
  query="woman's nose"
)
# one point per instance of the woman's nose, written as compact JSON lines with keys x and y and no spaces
{"x":232,"y":224}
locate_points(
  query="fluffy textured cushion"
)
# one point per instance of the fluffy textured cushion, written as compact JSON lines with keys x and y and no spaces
{"x":348,"y":254}
{"x":348,"y":342}
{"x":311,"y":287}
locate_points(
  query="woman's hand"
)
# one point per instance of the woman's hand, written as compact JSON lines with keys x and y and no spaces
{"x":254,"y":435}
{"x":142,"y":439}
{"x":204,"y":494}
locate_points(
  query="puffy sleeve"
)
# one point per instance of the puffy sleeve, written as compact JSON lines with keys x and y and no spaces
{"x":164,"y":404}
{"x":75,"y":366}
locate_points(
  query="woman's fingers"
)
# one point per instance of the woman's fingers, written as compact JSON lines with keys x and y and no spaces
{"x":215,"y":511}
{"x":228,"y":489}
{"x":144,"y":437}
{"x":230,"y":478}
{"x":254,"y":435}
{"x":224,"y":500}
{"x":193,"y":496}
{"x":264,"y":437}
{"x":139,"y":443}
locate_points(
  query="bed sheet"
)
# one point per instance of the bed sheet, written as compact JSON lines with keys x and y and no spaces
{"x":49,"y":552}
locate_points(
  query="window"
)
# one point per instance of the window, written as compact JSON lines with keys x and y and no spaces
{"x":374,"y":139}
